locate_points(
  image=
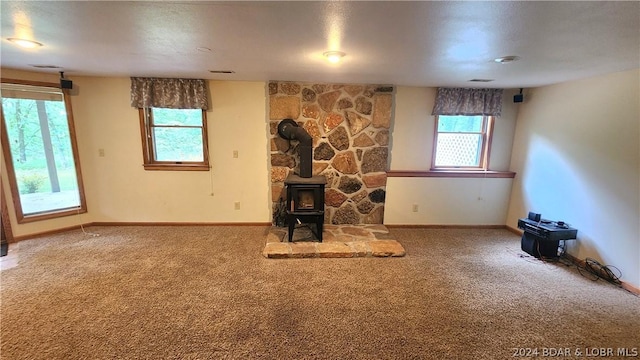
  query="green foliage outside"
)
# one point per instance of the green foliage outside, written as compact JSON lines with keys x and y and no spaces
{"x":30,"y":182}
{"x":177,"y":134}
{"x":184,"y":117}
{"x":66,"y":177}
{"x":28,"y":149}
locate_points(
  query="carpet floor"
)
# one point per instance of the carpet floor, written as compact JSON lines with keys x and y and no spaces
{"x":200,"y":292}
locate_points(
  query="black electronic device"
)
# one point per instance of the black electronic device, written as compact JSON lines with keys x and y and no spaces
{"x":518,"y":98}
{"x":541,"y":237}
{"x":65,"y":83}
{"x":533,"y":216}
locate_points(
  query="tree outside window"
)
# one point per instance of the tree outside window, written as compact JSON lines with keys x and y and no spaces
{"x":174,"y":139}
{"x":40,"y":151}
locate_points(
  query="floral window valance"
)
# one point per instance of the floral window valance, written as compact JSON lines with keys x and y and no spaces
{"x":169,"y":93}
{"x":463,"y":101}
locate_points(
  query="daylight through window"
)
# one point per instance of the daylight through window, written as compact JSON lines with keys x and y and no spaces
{"x":461,"y":142}
{"x":174,"y":139}
{"x":40,"y":149}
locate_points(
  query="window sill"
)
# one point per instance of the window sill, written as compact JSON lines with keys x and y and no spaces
{"x":176,"y":167}
{"x":52,"y":214}
{"x":452,"y":173}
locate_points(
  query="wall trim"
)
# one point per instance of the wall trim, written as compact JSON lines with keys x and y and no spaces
{"x":624,"y":284}
{"x":630,"y":288}
{"x":514,"y":230}
{"x":432,"y":226}
{"x":115,"y":223}
{"x":47,"y":232}
{"x":452,"y":174}
{"x":173,"y":223}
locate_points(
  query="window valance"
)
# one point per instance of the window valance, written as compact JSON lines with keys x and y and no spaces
{"x":169,"y":93}
{"x":466,"y":101}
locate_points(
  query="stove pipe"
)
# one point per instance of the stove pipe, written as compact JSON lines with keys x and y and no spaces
{"x":290,"y":130}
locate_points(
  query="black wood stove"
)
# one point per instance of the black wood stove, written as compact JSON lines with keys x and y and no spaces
{"x":305,"y":192}
{"x":305,"y":202}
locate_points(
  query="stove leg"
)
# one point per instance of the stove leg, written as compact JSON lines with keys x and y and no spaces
{"x":292,"y":225}
{"x":319,"y":226}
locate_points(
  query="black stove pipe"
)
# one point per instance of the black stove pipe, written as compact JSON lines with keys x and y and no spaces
{"x":290,"y":130}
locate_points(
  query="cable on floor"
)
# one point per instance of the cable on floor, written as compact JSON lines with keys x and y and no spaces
{"x":82,"y":226}
{"x":594,"y":270}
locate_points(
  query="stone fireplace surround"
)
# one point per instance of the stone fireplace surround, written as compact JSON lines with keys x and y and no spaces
{"x":350,"y":126}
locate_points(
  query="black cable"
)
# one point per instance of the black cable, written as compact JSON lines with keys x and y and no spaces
{"x":596,"y":271}
{"x":593,"y":268}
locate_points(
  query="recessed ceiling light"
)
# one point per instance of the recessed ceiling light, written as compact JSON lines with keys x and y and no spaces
{"x":29,"y":44}
{"x":334,"y":56}
{"x":507,"y":59}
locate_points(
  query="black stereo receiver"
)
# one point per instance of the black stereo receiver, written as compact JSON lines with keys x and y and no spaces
{"x":542,"y":238}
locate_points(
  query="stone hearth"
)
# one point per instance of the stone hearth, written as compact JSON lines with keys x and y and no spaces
{"x":339,"y":241}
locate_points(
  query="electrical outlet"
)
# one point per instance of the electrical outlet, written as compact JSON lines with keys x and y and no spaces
{"x":237,"y":205}
{"x":101,"y":152}
{"x":235,"y":154}
{"x":415,"y":208}
{"x":480,"y":198}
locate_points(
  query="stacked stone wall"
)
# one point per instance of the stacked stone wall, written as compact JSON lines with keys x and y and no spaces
{"x":350,"y":125}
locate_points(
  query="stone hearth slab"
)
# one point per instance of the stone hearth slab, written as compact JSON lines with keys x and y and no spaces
{"x":277,"y":250}
{"x":383,"y":248}
{"x":333,"y":249}
{"x":339,"y":241}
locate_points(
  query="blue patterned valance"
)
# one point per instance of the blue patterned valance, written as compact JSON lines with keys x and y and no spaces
{"x":463,"y":101}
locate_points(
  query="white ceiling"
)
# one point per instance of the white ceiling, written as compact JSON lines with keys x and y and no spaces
{"x":387,"y":42}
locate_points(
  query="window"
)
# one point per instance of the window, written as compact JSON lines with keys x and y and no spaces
{"x":40,"y":151}
{"x":174,"y":139}
{"x":462,"y":142}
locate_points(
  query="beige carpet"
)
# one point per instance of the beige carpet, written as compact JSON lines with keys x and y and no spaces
{"x":208,"y":293}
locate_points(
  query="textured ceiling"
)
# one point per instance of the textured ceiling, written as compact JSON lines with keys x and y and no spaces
{"x":401,"y":43}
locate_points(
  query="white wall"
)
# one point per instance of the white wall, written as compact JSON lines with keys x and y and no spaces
{"x":577,"y":154}
{"x":446,"y":201}
{"x":117,"y":187}
{"x":443,"y":201}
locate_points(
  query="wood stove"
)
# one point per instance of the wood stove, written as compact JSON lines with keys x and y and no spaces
{"x":305,"y":202}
